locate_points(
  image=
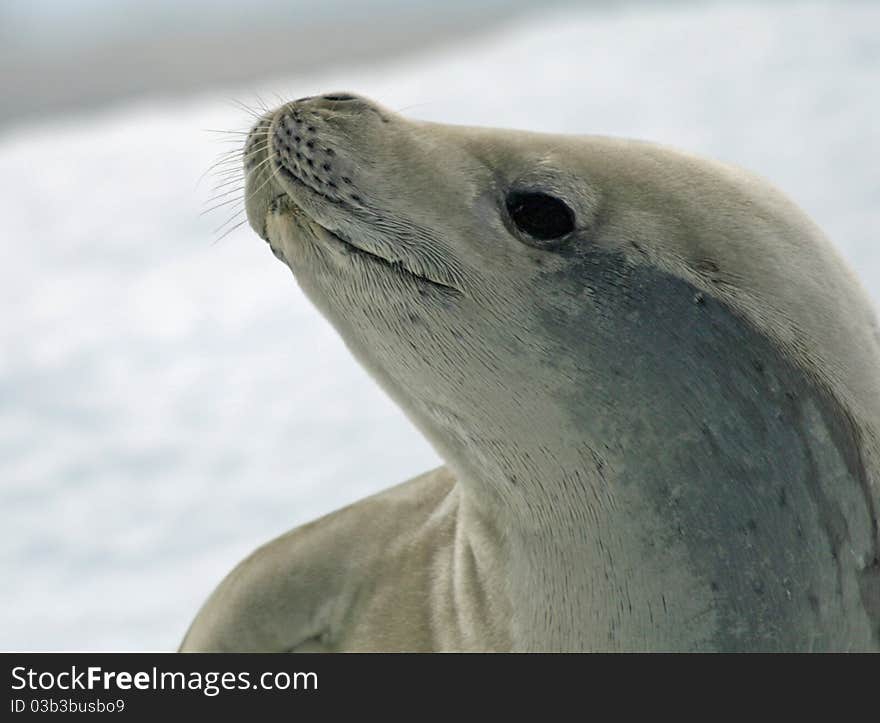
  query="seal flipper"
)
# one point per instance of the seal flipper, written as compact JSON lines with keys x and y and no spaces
{"x":308,"y":589}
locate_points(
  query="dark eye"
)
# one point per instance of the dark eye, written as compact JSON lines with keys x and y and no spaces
{"x":540,"y":216}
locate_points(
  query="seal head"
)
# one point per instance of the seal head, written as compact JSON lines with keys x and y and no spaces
{"x":652,"y":370}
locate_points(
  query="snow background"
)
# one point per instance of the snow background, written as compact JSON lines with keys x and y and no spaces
{"x":168,"y":403}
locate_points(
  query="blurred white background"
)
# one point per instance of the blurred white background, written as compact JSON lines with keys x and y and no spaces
{"x":167,"y":403}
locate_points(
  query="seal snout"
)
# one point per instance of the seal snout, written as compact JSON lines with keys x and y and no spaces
{"x":309,"y":138}
{"x":303,"y":150}
{"x":306,"y":158}
{"x":318,"y":169}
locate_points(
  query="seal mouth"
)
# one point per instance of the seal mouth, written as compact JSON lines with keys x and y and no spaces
{"x":346,"y":245}
{"x":395,"y":266}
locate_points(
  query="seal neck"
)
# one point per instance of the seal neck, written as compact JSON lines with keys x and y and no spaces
{"x":692,"y":490}
{"x":700,"y":542}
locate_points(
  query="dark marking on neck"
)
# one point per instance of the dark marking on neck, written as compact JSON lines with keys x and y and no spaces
{"x":747,"y":458}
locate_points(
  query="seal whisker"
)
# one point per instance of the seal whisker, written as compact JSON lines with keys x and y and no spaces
{"x":261,"y":166}
{"x":229,"y":220}
{"x":232,"y":165}
{"x":234,"y":160}
{"x":227,"y":157}
{"x":269,"y":177}
{"x":235,"y":199}
{"x":235,"y":205}
{"x":239,"y":204}
{"x":228,"y":182}
{"x":240,"y":159}
{"x":244,"y":107}
{"x":257,"y":150}
{"x":207,"y":171}
{"x":219,"y":173}
{"x":263,"y":106}
{"x":232,"y":131}
{"x":230,"y":230}
{"x":230,"y":153}
{"x":237,"y":153}
{"x":227,"y":178}
{"x":223,"y":194}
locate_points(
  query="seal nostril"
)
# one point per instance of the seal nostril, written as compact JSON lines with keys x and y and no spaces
{"x":339,"y":97}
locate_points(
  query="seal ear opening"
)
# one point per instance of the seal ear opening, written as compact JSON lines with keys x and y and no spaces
{"x":540,"y":216}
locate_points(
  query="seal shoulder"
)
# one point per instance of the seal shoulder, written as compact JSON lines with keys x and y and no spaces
{"x":321,"y":585}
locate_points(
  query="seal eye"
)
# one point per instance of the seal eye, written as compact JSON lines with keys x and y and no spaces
{"x":540,"y":216}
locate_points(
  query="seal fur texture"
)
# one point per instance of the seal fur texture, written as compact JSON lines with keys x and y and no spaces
{"x":660,"y":429}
